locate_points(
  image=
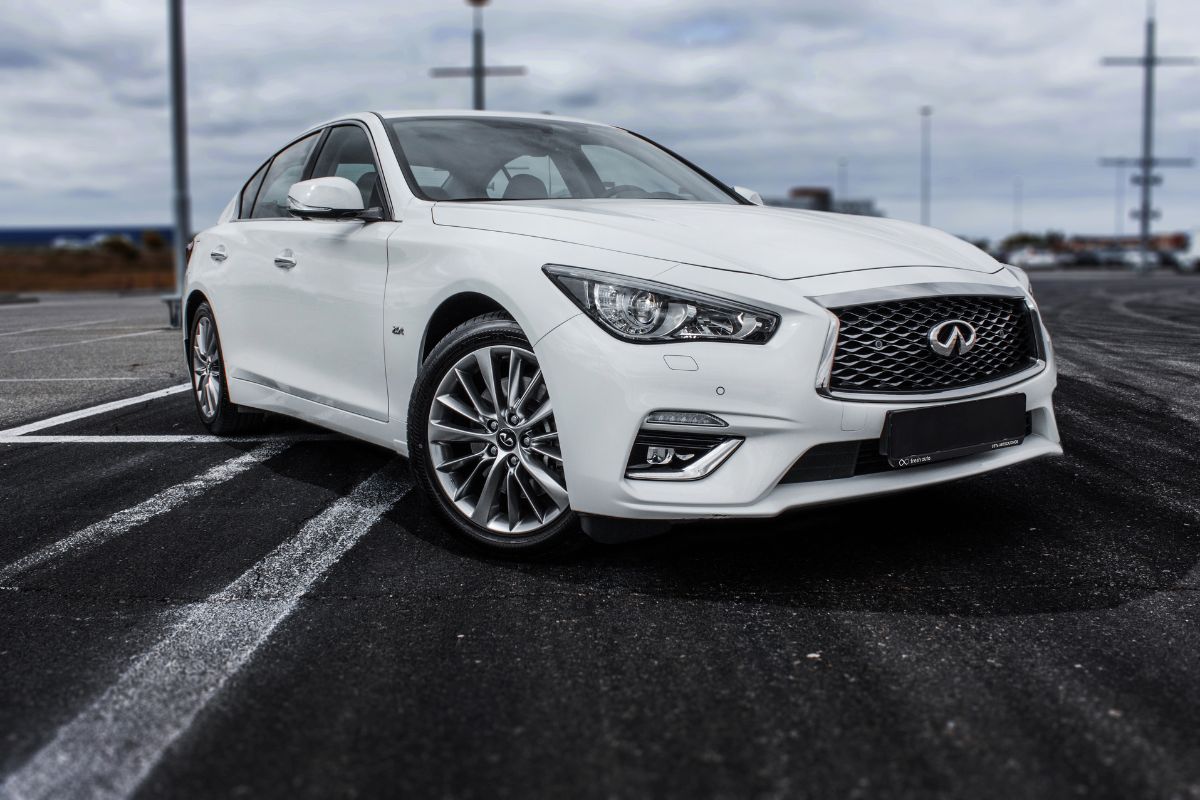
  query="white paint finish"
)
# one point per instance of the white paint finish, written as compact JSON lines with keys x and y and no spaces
{"x":58,"y":327}
{"x":780,"y":243}
{"x":854,"y":416}
{"x":83,"y":342}
{"x":777,"y":259}
{"x":316,"y":329}
{"x":125,"y":520}
{"x":170,"y":439}
{"x":325,"y":194}
{"x":92,"y":411}
{"x":681,"y":363}
{"x":110,"y":748}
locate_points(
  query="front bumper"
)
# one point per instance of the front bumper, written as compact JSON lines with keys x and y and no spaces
{"x":603,"y":388}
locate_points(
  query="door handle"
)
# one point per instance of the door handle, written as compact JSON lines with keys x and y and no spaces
{"x":285,"y":260}
{"x":218,"y":253}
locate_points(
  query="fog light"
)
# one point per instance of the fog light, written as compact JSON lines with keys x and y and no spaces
{"x":671,"y":456}
{"x":659,"y":455}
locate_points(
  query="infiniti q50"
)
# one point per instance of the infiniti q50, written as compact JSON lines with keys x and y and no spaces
{"x":569,"y":329}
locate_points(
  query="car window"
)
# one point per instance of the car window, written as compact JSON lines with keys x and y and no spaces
{"x":617,"y":169}
{"x":550,"y":181}
{"x":246,"y":201}
{"x":347,"y":153}
{"x":495,"y":158}
{"x":431,"y":180}
{"x":286,"y":168}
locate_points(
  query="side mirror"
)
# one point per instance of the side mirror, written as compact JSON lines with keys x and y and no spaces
{"x":749,"y":194}
{"x":328,"y":198}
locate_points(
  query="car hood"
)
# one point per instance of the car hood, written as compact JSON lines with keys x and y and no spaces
{"x":775,"y":242}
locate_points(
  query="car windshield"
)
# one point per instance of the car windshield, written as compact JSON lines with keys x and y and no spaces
{"x":494,"y":158}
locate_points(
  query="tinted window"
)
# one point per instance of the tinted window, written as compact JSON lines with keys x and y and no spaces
{"x":432,"y":182}
{"x":347,"y":154}
{"x":494,"y":158}
{"x":287,"y":168}
{"x":619,"y":169}
{"x":549,"y":183}
{"x":246,"y":202}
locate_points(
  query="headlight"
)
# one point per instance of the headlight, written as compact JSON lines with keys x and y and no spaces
{"x":637,"y":310}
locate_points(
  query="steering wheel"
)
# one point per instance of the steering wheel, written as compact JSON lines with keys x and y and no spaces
{"x":625,"y":188}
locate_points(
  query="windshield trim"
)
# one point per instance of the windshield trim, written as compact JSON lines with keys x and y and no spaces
{"x":415,"y":187}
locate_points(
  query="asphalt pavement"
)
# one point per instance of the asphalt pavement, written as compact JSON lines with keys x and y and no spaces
{"x":283,"y":616}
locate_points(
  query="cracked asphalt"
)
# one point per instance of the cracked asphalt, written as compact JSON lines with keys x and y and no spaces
{"x":284,"y":618}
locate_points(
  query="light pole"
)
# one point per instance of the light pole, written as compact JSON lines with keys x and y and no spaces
{"x":926,"y":158}
{"x":183,"y":203}
{"x":477,"y":52}
{"x":478,"y":71}
{"x":1119,"y":211}
{"x":1144,"y":176}
{"x":1018,"y":202}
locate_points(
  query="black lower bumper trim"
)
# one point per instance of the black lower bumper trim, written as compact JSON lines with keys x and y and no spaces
{"x":834,"y":460}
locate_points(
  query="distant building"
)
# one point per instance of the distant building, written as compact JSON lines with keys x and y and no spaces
{"x":79,"y":237}
{"x":820,"y":198}
{"x":1163,"y":242}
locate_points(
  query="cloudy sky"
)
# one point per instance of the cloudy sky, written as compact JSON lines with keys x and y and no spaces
{"x":763,"y":94}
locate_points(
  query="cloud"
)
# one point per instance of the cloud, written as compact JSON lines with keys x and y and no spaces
{"x":764,"y":93}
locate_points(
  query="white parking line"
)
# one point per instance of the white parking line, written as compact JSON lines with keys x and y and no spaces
{"x":83,"y":413}
{"x":110,"y":748}
{"x":107,"y":529}
{"x":59,"y":327}
{"x":85,"y":341}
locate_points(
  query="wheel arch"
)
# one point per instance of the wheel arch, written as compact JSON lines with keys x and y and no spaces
{"x":454,"y":311}
{"x":194,"y":299}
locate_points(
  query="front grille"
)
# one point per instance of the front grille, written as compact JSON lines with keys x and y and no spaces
{"x":884,"y":347}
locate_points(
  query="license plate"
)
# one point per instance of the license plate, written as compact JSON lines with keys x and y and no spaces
{"x":924,"y":435}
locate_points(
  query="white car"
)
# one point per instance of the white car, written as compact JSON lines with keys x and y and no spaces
{"x":1031,"y":259}
{"x":560,"y":322}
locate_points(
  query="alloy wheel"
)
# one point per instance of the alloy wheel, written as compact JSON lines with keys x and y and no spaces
{"x":493,"y":442}
{"x":206,"y":367}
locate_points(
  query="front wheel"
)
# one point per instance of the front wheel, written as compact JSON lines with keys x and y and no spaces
{"x":483,"y":440}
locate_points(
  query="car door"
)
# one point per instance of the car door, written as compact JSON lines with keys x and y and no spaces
{"x":328,"y":292}
{"x":255,"y":328}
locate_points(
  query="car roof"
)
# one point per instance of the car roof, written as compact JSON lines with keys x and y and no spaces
{"x":456,"y":112}
{"x":442,"y":112}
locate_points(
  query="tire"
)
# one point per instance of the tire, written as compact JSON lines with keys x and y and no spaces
{"x":210,"y":387}
{"x":488,"y":455}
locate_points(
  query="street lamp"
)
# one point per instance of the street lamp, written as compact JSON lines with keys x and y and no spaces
{"x":477,"y":72}
{"x":926,"y":126}
{"x":183,"y":212}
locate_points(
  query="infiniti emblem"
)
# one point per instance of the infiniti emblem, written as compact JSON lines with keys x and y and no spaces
{"x":951,"y":335}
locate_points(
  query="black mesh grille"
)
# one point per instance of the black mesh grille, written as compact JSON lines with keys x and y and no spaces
{"x":884,"y":347}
